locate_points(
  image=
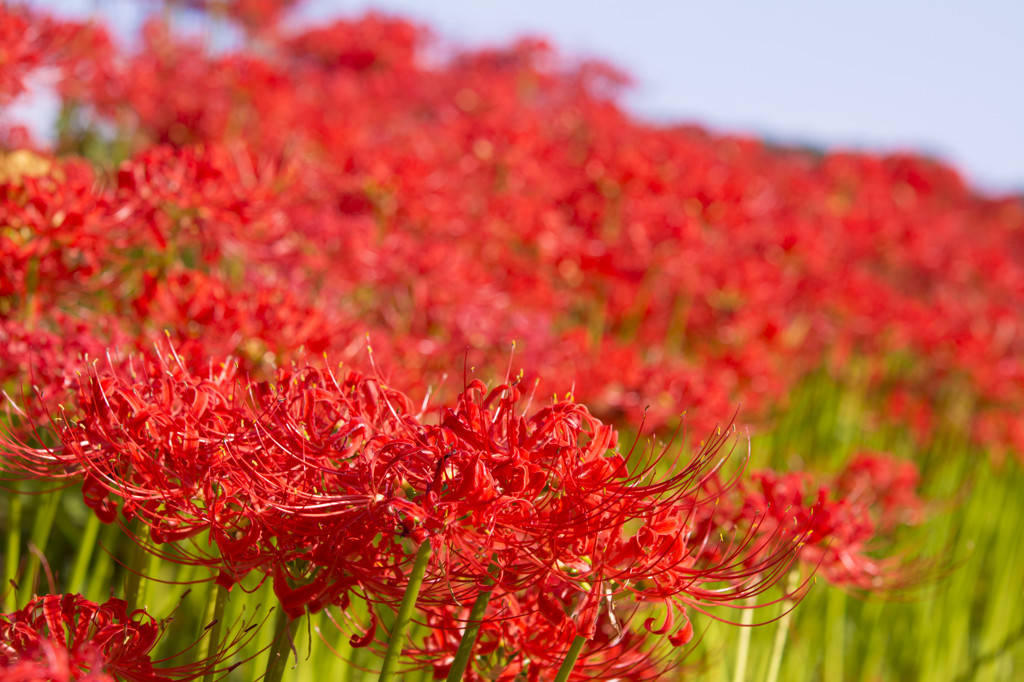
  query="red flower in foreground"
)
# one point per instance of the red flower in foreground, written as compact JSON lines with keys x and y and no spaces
{"x":316,"y":479}
{"x":58,"y":638}
{"x":275,"y":472}
{"x":528,"y":634}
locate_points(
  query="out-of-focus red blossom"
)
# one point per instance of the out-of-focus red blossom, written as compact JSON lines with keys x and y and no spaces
{"x":849,"y":518}
{"x":67,"y":244}
{"x":53,"y":239}
{"x":20,"y":53}
{"x":377,"y":41}
{"x":461,"y":202}
{"x":608,"y":218}
{"x":255,"y":16}
{"x":64,"y":638}
{"x":41,"y":369}
{"x":30,"y":40}
{"x":884,"y":484}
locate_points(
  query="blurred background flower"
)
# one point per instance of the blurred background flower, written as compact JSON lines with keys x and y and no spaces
{"x":939,"y":78}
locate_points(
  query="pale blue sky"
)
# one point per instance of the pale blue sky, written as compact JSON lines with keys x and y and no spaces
{"x":944,"y":78}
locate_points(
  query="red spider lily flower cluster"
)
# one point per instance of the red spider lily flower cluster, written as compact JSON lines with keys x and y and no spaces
{"x":32,"y":41}
{"x":275,"y":473}
{"x":64,"y":638}
{"x":849,"y":518}
{"x":332,"y":473}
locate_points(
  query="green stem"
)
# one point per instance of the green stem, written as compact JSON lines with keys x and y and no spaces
{"x":13,"y":547}
{"x":98,"y":587}
{"x":149,"y":598}
{"x":136,"y":567}
{"x":412,"y":593}
{"x":782,"y":630}
{"x":45,"y":515}
{"x":465,"y":650}
{"x":84,"y":555}
{"x":278,"y":658}
{"x":183,"y":576}
{"x":835,"y":635}
{"x":743,"y":647}
{"x":570,"y":658}
{"x":214,"y":616}
{"x":872,"y":622}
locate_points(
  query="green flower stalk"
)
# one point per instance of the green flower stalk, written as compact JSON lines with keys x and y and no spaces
{"x":570,"y":659}
{"x":465,"y":650}
{"x":412,"y":591}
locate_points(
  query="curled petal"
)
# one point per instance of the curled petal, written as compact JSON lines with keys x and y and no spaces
{"x":367,"y":637}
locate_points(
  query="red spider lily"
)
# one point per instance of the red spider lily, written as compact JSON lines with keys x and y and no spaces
{"x":255,"y":16}
{"x":541,"y":502}
{"x":297,"y":471}
{"x":845,"y":521}
{"x":545,"y":495}
{"x":885,"y":485}
{"x":50,"y":663}
{"x":285,"y":200}
{"x":189,"y":454}
{"x":71,"y":241}
{"x":207,"y":317}
{"x":211,"y":200}
{"x":40,"y":366}
{"x":32,"y":40}
{"x":529,"y":632}
{"x":21,"y":56}
{"x":57,"y":239}
{"x":69,"y":245}
{"x":58,"y":638}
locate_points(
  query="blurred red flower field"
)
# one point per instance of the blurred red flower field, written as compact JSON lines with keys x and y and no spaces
{"x":309,"y":339}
